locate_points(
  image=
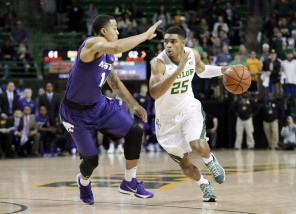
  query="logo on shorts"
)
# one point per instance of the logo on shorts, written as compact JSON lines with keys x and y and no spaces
{"x":157,"y":123}
{"x":68,"y":126}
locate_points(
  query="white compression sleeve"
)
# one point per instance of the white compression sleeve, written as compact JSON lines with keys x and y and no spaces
{"x":211,"y":71}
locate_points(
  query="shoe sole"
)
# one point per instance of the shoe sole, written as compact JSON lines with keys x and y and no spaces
{"x":209,"y":200}
{"x":135,"y":194}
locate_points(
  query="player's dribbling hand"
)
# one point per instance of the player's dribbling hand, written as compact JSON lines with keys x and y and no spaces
{"x":151,"y":30}
{"x":140,"y":112}
{"x":183,"y":62}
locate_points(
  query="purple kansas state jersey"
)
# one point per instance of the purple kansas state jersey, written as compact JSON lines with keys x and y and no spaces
{"x":87,"y":79}
{"x":22,"y":102}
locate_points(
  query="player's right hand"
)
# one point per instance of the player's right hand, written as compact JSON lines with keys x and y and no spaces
{"x":183,"y":62}
{"x":151,"y":30}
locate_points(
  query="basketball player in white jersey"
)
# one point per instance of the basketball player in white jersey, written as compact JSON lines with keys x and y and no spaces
{"x":179,"y":122}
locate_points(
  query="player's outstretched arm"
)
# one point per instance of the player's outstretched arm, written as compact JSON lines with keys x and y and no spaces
{"x":207,"y":71}
{"x":157,"y":84}
{"x":101,"y":45}
{"x":119,"y":88}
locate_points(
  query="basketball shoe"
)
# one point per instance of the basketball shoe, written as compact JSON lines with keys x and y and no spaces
{"x":134,"y":188}
{"x":208,"y":195}
{"x":217,"y":170}
{"x":86,"y":194}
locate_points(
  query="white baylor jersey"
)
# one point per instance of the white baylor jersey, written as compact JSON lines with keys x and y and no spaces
{"x":179,"y":95}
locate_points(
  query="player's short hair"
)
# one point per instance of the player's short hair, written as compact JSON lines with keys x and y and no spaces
{"x":100,"y":22}
{"x":176,"y":30}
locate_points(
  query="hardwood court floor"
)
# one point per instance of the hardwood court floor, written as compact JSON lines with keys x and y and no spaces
{"x":256,"y":182}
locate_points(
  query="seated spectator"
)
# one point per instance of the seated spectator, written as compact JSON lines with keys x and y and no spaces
{"x":225,"y":57}
{"x":14,"y":125}
{"x":289,"y":134}
{"x":184,"y":26}
{"x":27,"y":101}
{"x":237,"y":27}
{"x":62,"y":140}
{"x":8,"y":51}
{"x":163,"y":15}
{"x":265,"y":53}
{"x":195,"y":45}
{"x":9,"y":22}
{"x":217,"y":47}
{"x":19,"y":34}
{"x":136,"y":12}
{"x":127,"y":27}
{"x":20,"y":89}
{"x":277,"y":43}
{"x":24,"y":59}
{"x":8,"y":100}
{"x":211,"y":125}
{"x":190,"y":8}
{"x":121,"y":10}
{"x":41,"y":91}
{"x":253,"y":64}
{"x":237,"y":60}
{"x":220,"y":25}
{"x":48,"y":15}
{"x":271,"y":74}
{"x":243,"y":53}
{"x":46,"y":131}
{"x":205,"y":44}
{"x":283,"y":8}
{"x":223,"y":38}
{"x":230,"y":11}
{"x":284,"y":28}
{"x":143,"y":26}
{"x":189,"y":39}
{"x":29,"y":143}
{"x":75,"y":17}
{"x":177,"y":18}
{"x":292,"y":40}
{"x":91,"y":14}
{"x":203,"y":27}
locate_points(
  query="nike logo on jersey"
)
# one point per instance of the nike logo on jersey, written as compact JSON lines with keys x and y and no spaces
{"x":133,"y":190}
{"x":105,"y":65}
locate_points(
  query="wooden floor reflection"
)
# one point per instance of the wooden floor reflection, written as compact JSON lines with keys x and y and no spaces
{"x":256,"y":182}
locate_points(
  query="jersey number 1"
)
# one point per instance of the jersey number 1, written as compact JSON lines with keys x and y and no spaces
{"x":180,"y":87}
{"x":102,"y":79}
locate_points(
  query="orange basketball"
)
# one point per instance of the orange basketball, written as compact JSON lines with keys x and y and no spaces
{"x":237,"y":79}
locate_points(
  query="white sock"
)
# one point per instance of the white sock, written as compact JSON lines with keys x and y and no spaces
{"x":134,"y":175}
{"x":84,"y":182}
{"x":202,"y":180}
{"x":208,"y":160}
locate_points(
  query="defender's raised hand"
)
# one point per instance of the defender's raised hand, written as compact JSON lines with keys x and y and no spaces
{"x":151,"y":30}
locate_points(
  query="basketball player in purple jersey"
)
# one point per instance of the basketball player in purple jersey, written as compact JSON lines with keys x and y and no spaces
{"x":85,"y":111}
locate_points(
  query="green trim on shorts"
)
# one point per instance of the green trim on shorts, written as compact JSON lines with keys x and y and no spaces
{"x":203,"y":134}
{"x":175,"y":158}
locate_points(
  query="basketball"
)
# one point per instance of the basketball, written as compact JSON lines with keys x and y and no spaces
{"x":237,"y":79}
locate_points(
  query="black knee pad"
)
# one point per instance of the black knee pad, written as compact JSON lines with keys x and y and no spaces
{"x":88,"y":164}
{"x":133,"y":141}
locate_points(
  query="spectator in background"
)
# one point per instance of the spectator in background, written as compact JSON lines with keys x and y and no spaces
{"x":265,"y":53}
{"x":253,"y":64}
{"x":9,"y":22}
{"x":203,"y":27}
{"x":284,"y":28}
{"x":271,"y":71}
{"x":75,"y":17}
{"x":41,"y":91}
{"x":196,"y":46}
{"x":19,"y":90}
{"x":27,"y":101}
{"x":225,"y":57}
{"x":243,"y":53}
{"x":189,"y":39}
{"x":8,"y":51}
{"x":50,"y":100}
{"x":289,"y":134}
{"x":220,"y":25}
{"x":25,"y":59}
{"x":205,"y":44}
{"x":29,"y":143}
{"x":19,"y":34}
{"x":144,"y":26}
{"x":46,"y":131}
{"x":48,"y":15}
{"x":271,"y":114}
{"x":283,"y":8}
{"x":223,"y":38}
{"x":61,"y":9}
{"x":229,"y":10}
{"x":289,"y":68}
{"x":5,"y":144}
{"x":211,"y":125}
{"x":244,"y":108}
{"x":136,"y":13}
{"x":8,"y":100}
{"x":121,"y":10}
{"x":270,"y":25}
{"x":177,"y":18}
{"x":237,"y":29}
{"x":127,"y":27}
{"x":292,"y":40}
{"x":217,"y":47}
{"x":237,"y":60}
{"x":161,"y":14}
{"x":184,"y":26}
{"x":190,"y":7}
{"x":15,"y":125}
{"x":278,"y":42}
{"x":91,"y":14}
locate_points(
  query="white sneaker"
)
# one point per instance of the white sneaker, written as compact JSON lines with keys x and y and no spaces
{"x":119,"y":149}
{"x":151,"y":148}
{"x":111,"y":148}
{"x":157,"y":147}
{"x":73,"y":151}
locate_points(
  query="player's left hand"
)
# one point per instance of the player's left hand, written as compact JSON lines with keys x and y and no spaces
{"x":140,"y":112}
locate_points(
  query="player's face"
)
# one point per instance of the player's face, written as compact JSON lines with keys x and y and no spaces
{"x":173,"y":44}
{"x":111,"y":31}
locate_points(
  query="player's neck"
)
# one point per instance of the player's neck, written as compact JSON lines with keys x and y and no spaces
{"x":176,"y":59}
